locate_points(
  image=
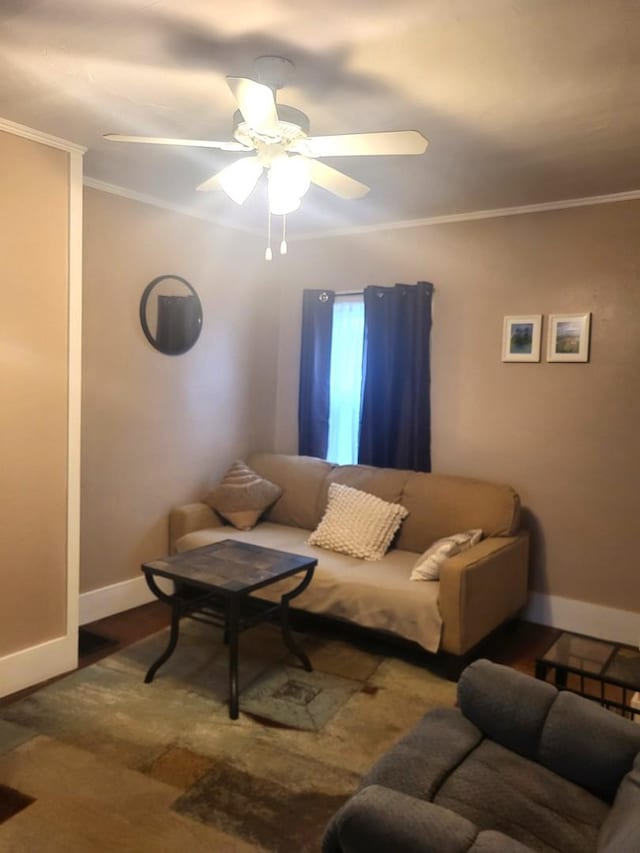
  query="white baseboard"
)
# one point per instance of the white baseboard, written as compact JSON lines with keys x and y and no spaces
{"x":581,"y":617}
{"x":31,"y":666}
{"x":108,"y":600}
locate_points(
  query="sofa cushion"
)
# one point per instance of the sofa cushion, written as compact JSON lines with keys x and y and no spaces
{"x":376,"y":594}
{"x":357,"y":523}
{"x":508,"y":706}
{"x":498,"y":789}
{"x":440,"y":505}
{"x":428,"y":565}
{"x":621,"y":828}
{"x":419,"y":763}
{"x":575,"y":729}
{"x":385,"y":483}
{"x":301,"y":478}
{"x":242,"y":496}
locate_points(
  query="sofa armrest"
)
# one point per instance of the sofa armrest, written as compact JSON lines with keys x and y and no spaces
{"x":190,"y":517}
{"x":378,"y":818}
{"x":481,"y":588}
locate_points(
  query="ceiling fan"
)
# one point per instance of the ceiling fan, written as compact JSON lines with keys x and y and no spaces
{"x":279,"y":137}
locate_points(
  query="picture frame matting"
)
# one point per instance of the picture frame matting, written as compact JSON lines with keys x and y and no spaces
{"x":521,"y":336}
{"x":568,"y":337}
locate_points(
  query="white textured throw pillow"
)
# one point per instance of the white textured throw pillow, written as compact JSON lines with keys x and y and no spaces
{"x":357,"y":523}
{"x":427,"y":567}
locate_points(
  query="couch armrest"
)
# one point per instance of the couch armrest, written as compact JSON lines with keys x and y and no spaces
{"x":481,"y":588}
{"x":190,"y":517}
{"x":379,"y":818}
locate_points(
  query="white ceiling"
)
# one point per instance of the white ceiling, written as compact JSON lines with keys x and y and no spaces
{"x":523,"y":101}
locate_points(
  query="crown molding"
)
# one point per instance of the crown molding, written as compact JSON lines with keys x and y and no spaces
{"x":39,"y":136}
{"x":185,"y":210}
{"x":495,"y":213}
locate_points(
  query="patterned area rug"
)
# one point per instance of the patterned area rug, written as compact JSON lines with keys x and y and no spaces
{"x":267,"y":781}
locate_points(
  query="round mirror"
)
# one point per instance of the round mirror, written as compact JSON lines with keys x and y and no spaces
{"x":171,"y":314}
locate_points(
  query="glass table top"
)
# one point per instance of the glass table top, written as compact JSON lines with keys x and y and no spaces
{"x":584,"y":654}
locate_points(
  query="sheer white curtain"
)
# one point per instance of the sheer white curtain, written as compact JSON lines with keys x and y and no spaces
{"x":346,"y":380}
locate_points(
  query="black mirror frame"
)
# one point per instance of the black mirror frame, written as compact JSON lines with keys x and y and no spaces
{"x":143,"y":312}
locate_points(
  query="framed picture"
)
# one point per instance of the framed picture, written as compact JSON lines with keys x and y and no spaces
{"x":568,"y":337}
{"x":521,"y":338}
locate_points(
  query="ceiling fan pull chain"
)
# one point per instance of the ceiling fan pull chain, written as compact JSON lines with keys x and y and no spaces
{"x":268,"y":254}
{"x":283,"y":244}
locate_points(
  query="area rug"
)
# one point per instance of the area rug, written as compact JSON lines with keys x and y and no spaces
{"x":268,"y":781}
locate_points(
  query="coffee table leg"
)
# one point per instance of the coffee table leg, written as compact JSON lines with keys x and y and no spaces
{"x":287,"y":636}
{"x":231,"y":632}
{"x":173,"y":642}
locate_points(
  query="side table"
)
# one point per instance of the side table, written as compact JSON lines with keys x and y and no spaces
{"x":607,"y":664}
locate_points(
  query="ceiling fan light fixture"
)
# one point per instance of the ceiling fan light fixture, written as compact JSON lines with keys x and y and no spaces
{"x":283,"y":204}
{"x":289,"y":180}
{"x":238,"y":179}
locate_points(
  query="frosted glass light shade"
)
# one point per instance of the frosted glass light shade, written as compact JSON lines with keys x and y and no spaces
{"x":289,"y":180}
{"x":239,"y":179}
{"x":283,"y":204}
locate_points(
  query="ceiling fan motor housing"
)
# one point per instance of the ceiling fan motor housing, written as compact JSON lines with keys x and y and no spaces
{"x":292,"y":124}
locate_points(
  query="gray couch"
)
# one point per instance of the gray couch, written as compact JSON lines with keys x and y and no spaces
{"x":478,"y":589}
{"x":518,"y":767}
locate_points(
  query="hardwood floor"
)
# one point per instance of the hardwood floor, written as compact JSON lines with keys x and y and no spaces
{"x":516,"y":646}
{"x":125,"y":628}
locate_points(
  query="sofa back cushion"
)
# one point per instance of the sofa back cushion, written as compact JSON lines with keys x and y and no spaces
{"x":385,"y":483}
{"x":440,"y":505}
{"x":588,"y":744}
{"x":507,"y":706}
{"x":302,"y":479}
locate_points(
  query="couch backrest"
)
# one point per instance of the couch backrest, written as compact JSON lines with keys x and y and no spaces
{"x":302,"y":479}
{"x":438,"y":504}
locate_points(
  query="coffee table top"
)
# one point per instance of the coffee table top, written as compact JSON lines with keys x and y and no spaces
{"x":612,"y":662}
{"x":230,"y":566}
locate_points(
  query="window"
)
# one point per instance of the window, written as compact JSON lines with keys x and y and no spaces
{"x":364,"y":376}
{"x":345,"y":380}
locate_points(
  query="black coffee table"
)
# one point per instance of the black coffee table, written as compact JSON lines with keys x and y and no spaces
{"x":597,"y":660}
{"x":214,"y":584}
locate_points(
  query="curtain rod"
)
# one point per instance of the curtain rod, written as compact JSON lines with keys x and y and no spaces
{"x":340,"y":293}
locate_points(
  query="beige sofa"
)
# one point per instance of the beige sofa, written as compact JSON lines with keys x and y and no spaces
{"x":478,"y":589}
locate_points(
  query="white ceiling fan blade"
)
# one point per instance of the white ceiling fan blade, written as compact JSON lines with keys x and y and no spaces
{"x":238,"y":179}
{"x":336,"y":182}
{"x":362,"y":144}
{"x":257,"y":104}
{"x":190,"y":143}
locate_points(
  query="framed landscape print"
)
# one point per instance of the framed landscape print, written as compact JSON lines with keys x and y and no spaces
{"x":568,"y":337}
{"x":521,"y":338}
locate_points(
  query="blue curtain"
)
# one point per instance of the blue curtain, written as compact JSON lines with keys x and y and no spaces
{"x":315,"y":365}
{"x":345,"y":380}
{"x":395,"y":429}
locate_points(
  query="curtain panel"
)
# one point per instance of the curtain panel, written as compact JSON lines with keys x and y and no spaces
{"x":395,"y":427}
{"x":315,"y":368}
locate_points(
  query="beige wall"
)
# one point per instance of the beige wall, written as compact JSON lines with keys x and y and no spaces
{"x":157,"y":430}
{"x":564,"y":435}
{"x":34,"y":238}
